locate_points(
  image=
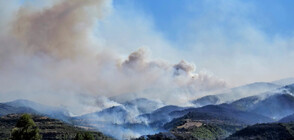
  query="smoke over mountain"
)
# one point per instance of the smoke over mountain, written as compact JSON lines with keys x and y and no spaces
{"x":85,"y":59}
{"x":50,"y":54}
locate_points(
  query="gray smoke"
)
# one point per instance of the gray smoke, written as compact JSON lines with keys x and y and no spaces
{"x":55,"y":46}
{"x":50,"y":55}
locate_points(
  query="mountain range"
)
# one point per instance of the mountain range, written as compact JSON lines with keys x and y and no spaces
{"x":235,"y":93}
{"x":232,"y":114}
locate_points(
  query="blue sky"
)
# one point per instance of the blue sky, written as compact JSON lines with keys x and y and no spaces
{"x":271,"y":16}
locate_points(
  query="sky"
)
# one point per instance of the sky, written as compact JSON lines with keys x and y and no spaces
{"x":240,"y":41}
{"x":271,"y":16}
{"x":172,"y":50}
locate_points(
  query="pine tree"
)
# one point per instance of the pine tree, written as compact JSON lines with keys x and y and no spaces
{"x":79,"y":136}
{"x":88,"y":136}
{"x":25,"y":129}
{"x":84,"y":136}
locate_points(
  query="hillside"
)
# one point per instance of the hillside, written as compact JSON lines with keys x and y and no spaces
{"x":161,"y":116}
{"x":201,"y":130}
{"x":220,"y":113}
{"x":143,"y":105}
{"x":275,"y":104}
{"x":52,"y":112}
{"x":286,"y":81}
{"x":50,"y":129}
{"x":8,"y":109}
{"x":143,"y":117}
{"x":273,"y":131}
{"x":189,"y":129}
{"x":287,"y":119}
{"x":115,"y":114}
{"x":208,"y":122}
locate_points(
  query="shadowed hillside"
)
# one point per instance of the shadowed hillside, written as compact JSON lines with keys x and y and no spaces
{"x":274,"y":131}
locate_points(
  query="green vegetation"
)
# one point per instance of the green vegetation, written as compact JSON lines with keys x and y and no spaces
{"x":50,"y":129}
{"x":216,"y":130}
{"x":79,"y":136}
{"x":25,"y":129}
{"x":208,"y":132}
{"x":188,"y":129}
{"x":84,"y":136}
{"x":275,"y":131}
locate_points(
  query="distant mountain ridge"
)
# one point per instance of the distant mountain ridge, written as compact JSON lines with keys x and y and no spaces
{"x":289,"y":118}
{"x":235,"y":93}
{"x":284,"y":82}
{"x":54,"y":112}
{"x":7,"y":109}
{"x":275,"y":104}
{"x":143,"y":105}
{"x":144,"y":116}
{"x":162,"y":115}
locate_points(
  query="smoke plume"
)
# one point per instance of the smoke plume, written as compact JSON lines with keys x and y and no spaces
{"x":52,"y":52}
{"x":51,"y":55}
